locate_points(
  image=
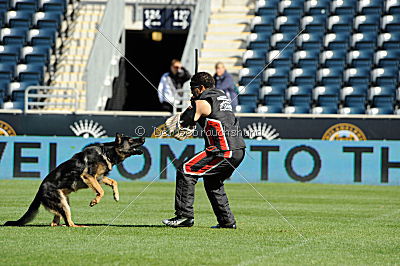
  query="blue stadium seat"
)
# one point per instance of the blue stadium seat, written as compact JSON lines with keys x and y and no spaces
{"x":341,"y":7}
{"x":385,"y":76}
{"x":314,"y":23}
{"x":247,"y":75}
{"x":245,"y":109}
{"x":333,"y":58}
{"x":297,"y":110}
{"x":389,"y":40}
{"x":329,"y":90}
{"x":392,"y":7}
{"x":47,"y":20}
{"x":306,"y":58}
{"x":367,"y":23}
{"x":273,"y":76}
{"x":42,"y":37}
{"x":254,"y":58}
{"x":7,"y":70}
{"x":266,"y":8}
{"x":12,"y":36}
{"x":19,"y":19}
{"x":383,"y":101}
{"x":365,"y":40}
{"x":268,"y":109}
{"x":16,"y":92}
{"x":316,"y":6}
{"x":253,"y":89}
{"x":287,"y":24}
{"x":4,"y":4}
{"x":357,"y":90}
{"x":389,"y":58}
{"x":303,"y":76}
{"x":258,"y":41}
{"x":280,"y":58}
{"x":248,"y":99}
{"x":340,"y":23}
{"x":273,"y":95}
{"x":280,"y":40}
{"x":355,"y":101}
{"x":31,"y":72}
{"x":328,"y":101}
{"x":53,"y":5}
{"x":9,"y":53}
{"x":310,"y":40}
{"x":360,"y":58}
{"x":291,"y":8}
{"x":324,"y":110}
{"x":262,"y":24}
{"x":382,"y":96}
{"x":328,"y":76}
{"x":13,"y":105}
{"x":370,"y":7}
{"x":357,"y":76}
{"x":334,"y":41}
{"x":352,"y":110}
{"x":391,"y":23}
{"x":29,"y":5}
{"x":299,"y":96}
{"x":380,"y":110}
{"x":35,"y":55}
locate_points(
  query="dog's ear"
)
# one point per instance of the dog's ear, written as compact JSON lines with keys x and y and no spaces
{"x":118,"y":138}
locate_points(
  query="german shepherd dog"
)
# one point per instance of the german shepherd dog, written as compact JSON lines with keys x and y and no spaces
{"x":86,"y":169}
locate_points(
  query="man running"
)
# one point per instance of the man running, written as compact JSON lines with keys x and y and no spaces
{"x":212,"y":109}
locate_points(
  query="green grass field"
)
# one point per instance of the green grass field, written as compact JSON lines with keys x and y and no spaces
{"x":341,"y":225}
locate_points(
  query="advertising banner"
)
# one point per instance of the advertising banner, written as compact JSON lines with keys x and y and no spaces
{"x":313,"y":161}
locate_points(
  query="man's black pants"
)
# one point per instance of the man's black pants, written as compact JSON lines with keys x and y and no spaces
{"x":214,"y":170}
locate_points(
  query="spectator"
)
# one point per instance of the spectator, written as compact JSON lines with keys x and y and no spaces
{"x":224,"y":82}
{"x":170,"y":82}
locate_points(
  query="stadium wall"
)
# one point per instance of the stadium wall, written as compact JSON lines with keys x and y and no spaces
{"x":255,"y":126}
{"x":327,"y":162}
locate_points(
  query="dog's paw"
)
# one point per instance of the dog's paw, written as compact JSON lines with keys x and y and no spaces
{"x":93,"y":202}
{"x":116,"y":197}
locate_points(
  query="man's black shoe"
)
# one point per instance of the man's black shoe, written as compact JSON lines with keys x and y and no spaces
{"x":179,"y":221}
{"x":218,"y":226}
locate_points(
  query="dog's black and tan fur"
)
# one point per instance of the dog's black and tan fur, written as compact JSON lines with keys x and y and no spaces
{"x":86,"y":169}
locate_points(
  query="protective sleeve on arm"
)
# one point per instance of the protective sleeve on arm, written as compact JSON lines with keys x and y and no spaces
{"x":187,"y":117}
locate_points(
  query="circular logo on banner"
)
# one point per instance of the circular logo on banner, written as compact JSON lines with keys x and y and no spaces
{"x":6,"y":129}
{"x":344,"y":131}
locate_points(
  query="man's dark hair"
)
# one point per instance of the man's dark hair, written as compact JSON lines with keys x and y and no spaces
{"x":202,"y":78}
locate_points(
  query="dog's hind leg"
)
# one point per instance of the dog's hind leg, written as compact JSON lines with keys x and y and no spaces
{"x":65,"y":211}
{"x":114,"y":185}
{"x":56,"y":220}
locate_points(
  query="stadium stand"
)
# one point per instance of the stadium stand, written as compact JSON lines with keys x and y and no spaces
{"x":31,"y":41}
{"x":45,"y":44}
{"x":322,"y":57}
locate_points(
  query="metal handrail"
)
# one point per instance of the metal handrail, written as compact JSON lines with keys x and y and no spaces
{"x":44,"y":93}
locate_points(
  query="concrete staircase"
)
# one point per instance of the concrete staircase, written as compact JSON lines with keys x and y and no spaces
{"x":226,"y":37}
{"x":75,"y":53}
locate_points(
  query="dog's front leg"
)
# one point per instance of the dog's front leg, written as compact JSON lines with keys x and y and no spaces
{"x":114,"y":185}
{"x":93,"y":184}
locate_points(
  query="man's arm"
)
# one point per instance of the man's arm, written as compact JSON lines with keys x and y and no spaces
{"x":203,"y":108}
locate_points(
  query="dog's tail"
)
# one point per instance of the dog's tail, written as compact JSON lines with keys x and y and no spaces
{"x":29,"y":215}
